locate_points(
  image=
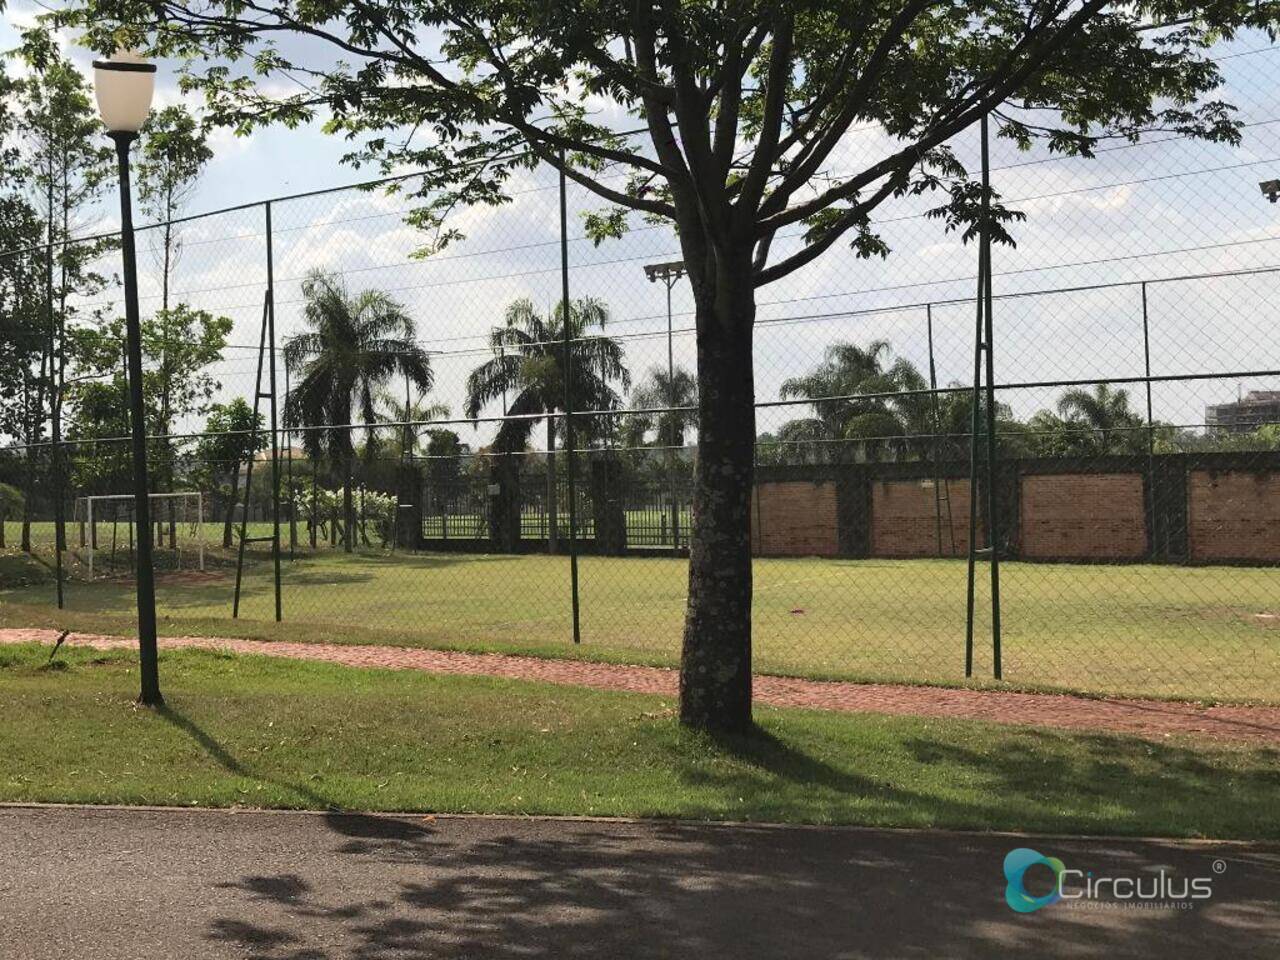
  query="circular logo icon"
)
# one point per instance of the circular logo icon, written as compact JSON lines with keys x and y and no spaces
{"x":1016,"y":864}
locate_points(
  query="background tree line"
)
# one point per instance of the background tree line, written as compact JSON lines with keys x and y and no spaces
{"x":61,"y":362}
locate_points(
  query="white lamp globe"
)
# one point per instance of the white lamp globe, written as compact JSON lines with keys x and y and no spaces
{"x":124,"y":85}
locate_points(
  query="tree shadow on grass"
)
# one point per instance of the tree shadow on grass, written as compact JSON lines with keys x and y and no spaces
{"x":1119,"y":782}
{"x":228,"y":761}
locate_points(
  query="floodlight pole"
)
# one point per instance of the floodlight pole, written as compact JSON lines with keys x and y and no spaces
{"x":670,"y":274}
{"x":147,"y":651}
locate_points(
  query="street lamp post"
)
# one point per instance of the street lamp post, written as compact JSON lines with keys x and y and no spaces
{"x":124,"y":85}
{"x":670,"y":274}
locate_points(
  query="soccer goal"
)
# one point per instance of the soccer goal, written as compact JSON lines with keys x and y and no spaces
{"x":106,"y":526}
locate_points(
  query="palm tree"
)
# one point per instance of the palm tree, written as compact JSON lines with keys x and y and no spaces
{"x":675,"y":398}
{"x":953,"y":425}
{"x":354,"y":346}
{"x":1105,"y":413}
{"x":406,"y":410}
{"x":848,"y":393}
{"x":663,"y":392}
{"x":528,"y":368}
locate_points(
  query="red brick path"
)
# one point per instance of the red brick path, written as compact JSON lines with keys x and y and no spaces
{"x":1144,"y":718}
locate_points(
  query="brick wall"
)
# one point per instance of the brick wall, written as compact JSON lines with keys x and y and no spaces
{"x":794,"y":519}
{"x":1233,"y":515}
{"x":1083,"y":517}
{"x":1209,"y":508}
{"x":904,"y":518}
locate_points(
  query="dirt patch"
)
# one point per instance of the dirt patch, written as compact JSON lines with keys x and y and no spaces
{"x":180,"y":577}
{"x":176,"y":578}
{"x":1151,"y":719}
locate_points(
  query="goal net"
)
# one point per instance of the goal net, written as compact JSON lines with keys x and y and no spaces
{"x":106,"y":531}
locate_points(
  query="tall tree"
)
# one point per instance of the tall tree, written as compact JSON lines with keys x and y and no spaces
{"x":674,"y":396}
{"x":189,"y":340}
{"x":862,"y":400}
{"x":1100,"y":421}
{"x":527,"y":369}
{"x":355,"y":346}
{"x":227,"y":443}
{"x":172,"y":156}
{"x":744,"y":104}
{"x":445,"y":454}
{"x":68,"y":163}
{"x":23,"y":333}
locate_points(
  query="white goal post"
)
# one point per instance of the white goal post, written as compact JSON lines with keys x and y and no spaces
{"x":185,"y":508}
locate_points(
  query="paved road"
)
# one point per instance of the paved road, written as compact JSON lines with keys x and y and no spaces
{"x":106,"y":884}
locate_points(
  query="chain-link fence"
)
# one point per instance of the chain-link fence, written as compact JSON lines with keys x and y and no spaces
{"x":1134,"y":485}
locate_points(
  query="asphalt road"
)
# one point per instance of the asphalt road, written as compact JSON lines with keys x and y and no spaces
{"x":106,"y":884}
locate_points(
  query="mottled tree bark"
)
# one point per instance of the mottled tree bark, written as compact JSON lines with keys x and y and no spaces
{"x":715,"y":667}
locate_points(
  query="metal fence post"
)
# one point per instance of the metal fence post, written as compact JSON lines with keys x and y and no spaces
{"x":1151,"y":437}
{"x":570,"y":441}
{"x":984,"y":338}
{"x":275,"y":436}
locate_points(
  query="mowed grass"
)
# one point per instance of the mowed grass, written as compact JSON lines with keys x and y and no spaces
{"x":257,"y":731}
{"x":1161,"y":631}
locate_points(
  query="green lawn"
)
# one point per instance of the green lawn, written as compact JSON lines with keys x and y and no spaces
{"x":1164,"y":631}
{"x":257,"y":731}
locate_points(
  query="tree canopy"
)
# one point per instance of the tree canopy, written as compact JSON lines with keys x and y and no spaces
{"x":743,"y":102}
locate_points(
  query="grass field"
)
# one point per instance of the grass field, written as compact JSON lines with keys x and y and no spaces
{"x":256,"y":731}
{"x":1197,"y":632}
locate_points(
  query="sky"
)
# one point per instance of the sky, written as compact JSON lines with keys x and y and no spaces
{"x":1162,"y":209}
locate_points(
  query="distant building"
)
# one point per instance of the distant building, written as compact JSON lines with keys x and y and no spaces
{"x":1258,"y":407}
{"x":297,"y":454}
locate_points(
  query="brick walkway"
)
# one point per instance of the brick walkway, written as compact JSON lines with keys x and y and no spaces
{"x":1144,"y":718}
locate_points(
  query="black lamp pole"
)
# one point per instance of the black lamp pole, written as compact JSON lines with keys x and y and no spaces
{"x":138,"y":432}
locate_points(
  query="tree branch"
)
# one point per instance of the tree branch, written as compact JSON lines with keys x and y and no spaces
{"x":986,"y":96}
{"x":820,"y":148}
{"x":815,"y":249}
{"x":775,"y":98}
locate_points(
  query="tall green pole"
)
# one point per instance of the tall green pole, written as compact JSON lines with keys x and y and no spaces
{"x":275,"y":436}
{"x":983,"y":346}
{"x":567,"y":364}
{"x":993,"y":518}
{"x":1151,"y":436}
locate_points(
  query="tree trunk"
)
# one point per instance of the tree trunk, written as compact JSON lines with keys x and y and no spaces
{"x":715,"y":664}
{"x":231,"y":507}
{"x":553,"y":533}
